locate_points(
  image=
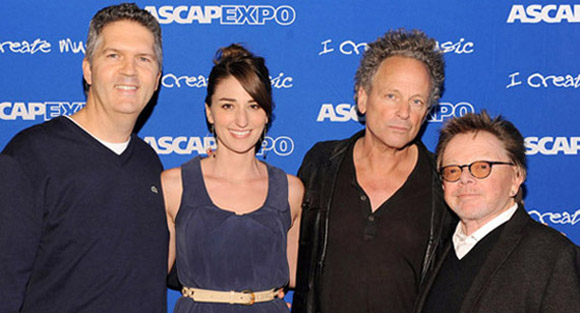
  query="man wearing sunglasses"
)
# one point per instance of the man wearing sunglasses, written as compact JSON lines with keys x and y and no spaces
{"x":499,"y":259}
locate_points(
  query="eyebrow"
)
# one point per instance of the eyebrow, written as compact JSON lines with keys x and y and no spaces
{"x":105,"y":50}
{"x":392,"y":89}
{"x":109,"y":49}
{"x":235,"y":100}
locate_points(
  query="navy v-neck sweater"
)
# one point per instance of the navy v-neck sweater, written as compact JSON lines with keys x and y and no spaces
{"x":82,"y":229}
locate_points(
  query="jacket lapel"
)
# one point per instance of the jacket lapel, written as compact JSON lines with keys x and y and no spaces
{"x":507,"y":242}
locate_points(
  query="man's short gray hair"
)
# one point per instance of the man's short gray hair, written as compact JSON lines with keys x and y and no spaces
{"x":413,"y":44}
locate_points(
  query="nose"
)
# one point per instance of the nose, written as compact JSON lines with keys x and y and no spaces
{"x":128,"y":67}
{"x":241,"y":117}
{"x":404,"y":110}
{"x":466,"y":176}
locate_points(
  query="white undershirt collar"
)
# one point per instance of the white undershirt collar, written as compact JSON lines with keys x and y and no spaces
{"x":118,"y":148}
{"x":463,"y":243}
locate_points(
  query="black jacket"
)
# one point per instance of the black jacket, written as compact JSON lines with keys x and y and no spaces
{"x":531,"y":268}
{"x":318,"y":173}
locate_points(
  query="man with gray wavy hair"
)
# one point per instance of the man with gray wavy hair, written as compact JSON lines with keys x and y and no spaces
{"x":373,"y":211}
{"x":82,"y":220}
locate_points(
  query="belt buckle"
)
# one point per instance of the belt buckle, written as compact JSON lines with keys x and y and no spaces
{"x":187,"y":292}
{"x":252,"y":297}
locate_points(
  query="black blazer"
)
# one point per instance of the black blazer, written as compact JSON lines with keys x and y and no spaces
{"x":531,"y":268}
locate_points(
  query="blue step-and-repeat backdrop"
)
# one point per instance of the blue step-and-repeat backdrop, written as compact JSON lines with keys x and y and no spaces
{"x":520,"y":59}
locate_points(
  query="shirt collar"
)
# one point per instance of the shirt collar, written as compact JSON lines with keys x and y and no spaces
{"x":118,"y":148}
{"x":463,"y":243}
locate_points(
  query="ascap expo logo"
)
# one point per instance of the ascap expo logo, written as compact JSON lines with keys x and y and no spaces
{"x":548,"y":13}
{"x":33,"y":110}
{"x":183,"y":145}
{"x":224,"y":14}
{"x":552,"y":145}
{"x":345,"y":112}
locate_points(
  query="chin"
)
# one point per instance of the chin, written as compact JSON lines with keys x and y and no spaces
{"x":398,"y":141}
{"x":469,"y":212}
{"x":399,"y":145}
{"x":130,"y":109}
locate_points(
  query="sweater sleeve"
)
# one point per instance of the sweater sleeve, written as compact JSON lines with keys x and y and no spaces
{"x":20,"y":229}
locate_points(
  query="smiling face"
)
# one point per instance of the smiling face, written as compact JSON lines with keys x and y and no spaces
{"x":477,"y":201}
{"x":397,"y":103}
{"x":124,"y":73}
{"x":237,"y":118}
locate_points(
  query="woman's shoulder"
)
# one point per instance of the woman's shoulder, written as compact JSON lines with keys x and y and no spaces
{"x":171,"y":173}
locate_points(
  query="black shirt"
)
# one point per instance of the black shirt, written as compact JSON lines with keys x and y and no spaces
{"x":374,"y":260}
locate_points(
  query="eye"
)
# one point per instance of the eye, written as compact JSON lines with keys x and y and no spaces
{"x":144,"y":59}
{"x":481,"y":166}
{"x":227,"y":106}
{"x":254,"y":106}
{"x":417,"y":102}
{"x":452,"y":170}
{"x":112,"y":55}
{"x":390,"y":96}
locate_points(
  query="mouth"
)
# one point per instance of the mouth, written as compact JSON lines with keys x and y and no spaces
{"x":240,"y":133}
{"x":126,"y":87}
{"x":401,"y":128}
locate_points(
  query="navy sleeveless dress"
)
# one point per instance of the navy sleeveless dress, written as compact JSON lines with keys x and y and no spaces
{"x":220,"y":250}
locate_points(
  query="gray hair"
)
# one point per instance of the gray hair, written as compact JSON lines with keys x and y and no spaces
{"x":121,"y":12}
{"x":413,"y":44}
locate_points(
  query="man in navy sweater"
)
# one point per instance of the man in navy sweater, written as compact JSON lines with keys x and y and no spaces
{"x":82,"y":222}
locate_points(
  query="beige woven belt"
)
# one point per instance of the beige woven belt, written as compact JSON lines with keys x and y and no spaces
{"x":246,"y":297}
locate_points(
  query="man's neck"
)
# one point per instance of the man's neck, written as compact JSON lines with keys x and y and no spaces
{"x":105,"y":127}
{"x":383,"y":159}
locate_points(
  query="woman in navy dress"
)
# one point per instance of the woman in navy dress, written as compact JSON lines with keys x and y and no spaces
{"x":233,"y":219}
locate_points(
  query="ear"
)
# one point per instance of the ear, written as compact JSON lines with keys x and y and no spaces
{"x":362,"y":100}
{"x":208,"y":114}
{"x":87,"y":72}
{"x":157,"y":80}
{"x":518,"y":179}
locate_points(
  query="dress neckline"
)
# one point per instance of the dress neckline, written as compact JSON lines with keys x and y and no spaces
{"x":227,"y":210}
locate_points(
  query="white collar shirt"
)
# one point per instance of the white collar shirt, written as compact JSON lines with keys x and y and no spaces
{"x":464,"y":243}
